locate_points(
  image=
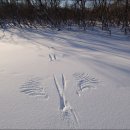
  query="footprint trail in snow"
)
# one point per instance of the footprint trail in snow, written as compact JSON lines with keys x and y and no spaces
{"x":68,"y":113}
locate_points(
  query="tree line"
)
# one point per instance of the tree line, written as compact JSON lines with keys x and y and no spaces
{"x":60,"y":13}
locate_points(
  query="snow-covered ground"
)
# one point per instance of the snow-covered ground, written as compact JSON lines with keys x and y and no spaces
{"x":64,"y":79}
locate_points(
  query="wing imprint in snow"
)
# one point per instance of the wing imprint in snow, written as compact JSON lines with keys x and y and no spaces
{"x":33,"y":87}
{"x":84,"y":81}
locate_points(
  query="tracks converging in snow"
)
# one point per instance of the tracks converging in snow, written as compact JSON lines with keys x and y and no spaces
{"x":67,"y":111}
{"x":60,"y":91}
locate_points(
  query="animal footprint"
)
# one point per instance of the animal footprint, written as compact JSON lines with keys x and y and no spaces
{"x":84,"y":81}
{"x":33,"y":87}
{"x":52,"y":57}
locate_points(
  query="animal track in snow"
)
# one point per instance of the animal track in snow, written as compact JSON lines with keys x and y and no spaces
{"x":84,"y":81}
{"x":68,"y":113}
{"x":60,"y":91}
{"x":33,"y":87}
{"x":52,"y":57}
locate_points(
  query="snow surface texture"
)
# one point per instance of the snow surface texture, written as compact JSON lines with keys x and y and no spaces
{"x":64,"y":79}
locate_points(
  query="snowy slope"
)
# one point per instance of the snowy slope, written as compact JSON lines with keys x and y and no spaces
{"x":64,"y":79}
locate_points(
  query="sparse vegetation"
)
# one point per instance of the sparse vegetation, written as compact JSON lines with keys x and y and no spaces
{"x":56,"y":14}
